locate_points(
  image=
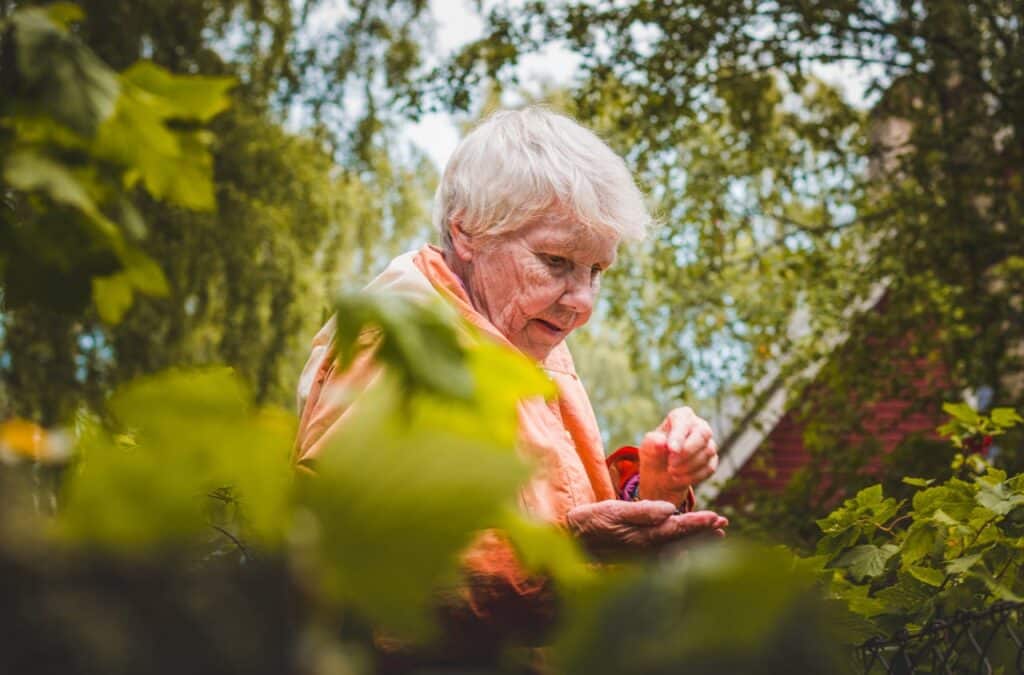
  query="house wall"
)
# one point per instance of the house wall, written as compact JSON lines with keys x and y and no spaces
{"x":783,"y":453}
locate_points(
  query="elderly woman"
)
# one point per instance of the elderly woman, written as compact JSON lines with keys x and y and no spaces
{"x":531,"y":210}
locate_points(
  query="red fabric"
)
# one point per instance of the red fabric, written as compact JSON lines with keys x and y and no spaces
{"x":623,"y":464}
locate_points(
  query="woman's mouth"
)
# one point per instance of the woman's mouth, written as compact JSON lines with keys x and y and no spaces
{"x":549,"y":327}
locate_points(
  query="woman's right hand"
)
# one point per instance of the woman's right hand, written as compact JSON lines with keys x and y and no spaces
{"x":615,"y":526}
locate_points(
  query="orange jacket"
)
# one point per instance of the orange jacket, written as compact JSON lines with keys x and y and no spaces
{"x":561,"y":435}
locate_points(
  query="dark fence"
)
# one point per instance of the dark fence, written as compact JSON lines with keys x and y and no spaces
{"x":985,"y":641}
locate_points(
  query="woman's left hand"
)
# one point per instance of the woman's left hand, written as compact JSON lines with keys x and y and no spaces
{"x":676,"y":456}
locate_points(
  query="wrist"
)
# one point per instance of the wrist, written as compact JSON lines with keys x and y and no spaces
{"x":683,"y":498}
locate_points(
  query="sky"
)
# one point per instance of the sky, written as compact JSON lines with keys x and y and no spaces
{"x":457,"y":24}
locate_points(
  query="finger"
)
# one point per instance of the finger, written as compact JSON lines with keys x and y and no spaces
{"x":700,"y":521}
{"x":693,"y":477}
{"x":653,"y":449}
{"x":675,"y":417}
{"x":677,"y":426}
{"x":708,"y":454}
{"x":646,"y":512}
{"x":698,"y":460}
{"x":684,"y":525}
{"x":694,"y":443}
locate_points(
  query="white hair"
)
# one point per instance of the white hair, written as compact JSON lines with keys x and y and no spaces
{"x":518,"y":165}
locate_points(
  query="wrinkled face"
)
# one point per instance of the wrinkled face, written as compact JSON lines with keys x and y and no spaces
{"x":538,"y":283}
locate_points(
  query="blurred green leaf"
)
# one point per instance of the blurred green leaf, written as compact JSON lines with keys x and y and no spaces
{"x":188,"y":433}
{"x":114,"y":294}
{"x":416,"y":341}
{"x":29,"y":171}
{"x":422,"y":463}
{"x":63,"y":77}
{"x":721,"y":608}
{"x":172,"y":165}
{"x":185,"y":97}
{"x":1006,"y":417}
{"x":546,"y":549}
{"x":396,"y":500}
{"x":65,"y":13}
{"x":962,"y":412}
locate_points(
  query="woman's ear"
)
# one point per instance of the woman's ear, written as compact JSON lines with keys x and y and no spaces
{"x":462,"y":242}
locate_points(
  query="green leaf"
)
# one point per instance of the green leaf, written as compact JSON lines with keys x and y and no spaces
{"x":187,"y":97}
{"x":928,"y":575}
{"x":857,"y":598}
{"x":962,"y":412}
{"x":918,"y":482}
{"x":416,"y":340}
{"x":998,"y":589}
{"x":962,"y":564}
{"x":997,"y":499}
{"x":393,"y":489}
{"x":113,"y":294}
{"x":1006,"y":417}
{"x":172,"y":164}
{"x":546,"y":549}
{"x":869,"y":496}
{"x":65,"y":13}
{"x":192,"y":432}
{"x":908,"y":594}
{"x":67,"y":80}
{"x":921,"y":539}
{"x":955,"y":498}
{"x":29,"y":171}
{"x":943,"y":518}
{"x":832,"y":544}
{"x":866,"y":560}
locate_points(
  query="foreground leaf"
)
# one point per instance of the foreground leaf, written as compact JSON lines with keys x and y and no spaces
{"x":188,"y":433}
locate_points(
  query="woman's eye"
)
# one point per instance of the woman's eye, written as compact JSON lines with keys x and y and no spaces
{"x":557,"y":261}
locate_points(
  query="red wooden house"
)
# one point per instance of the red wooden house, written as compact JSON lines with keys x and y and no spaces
{"x":764,"y":445}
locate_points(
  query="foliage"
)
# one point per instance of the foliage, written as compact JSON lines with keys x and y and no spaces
{"x":951,"y":546}
{"x":403,"y":489}
{"x":245,"y":284}
{"x":176,"y":438}
{"x":77,"y":139}
{"x":730,"y":608}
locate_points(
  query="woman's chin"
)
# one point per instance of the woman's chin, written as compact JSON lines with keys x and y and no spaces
{"x":540,"y":339}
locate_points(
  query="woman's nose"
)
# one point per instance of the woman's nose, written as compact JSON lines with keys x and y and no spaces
{"x":579,"y":294}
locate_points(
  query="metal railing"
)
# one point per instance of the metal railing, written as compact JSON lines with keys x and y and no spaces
{"x":987,"y":641}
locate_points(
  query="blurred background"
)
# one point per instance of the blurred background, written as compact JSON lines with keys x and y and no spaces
{"x":839,"y":188}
